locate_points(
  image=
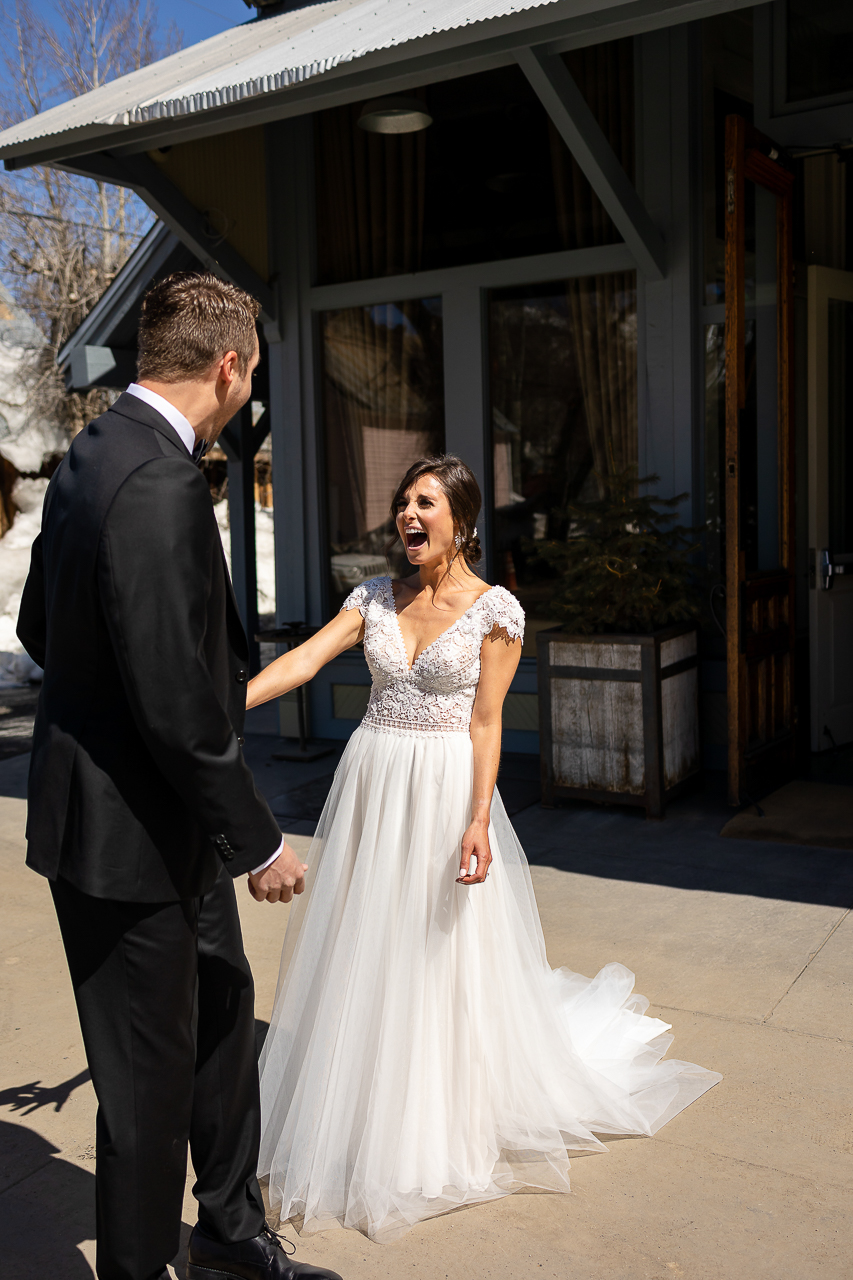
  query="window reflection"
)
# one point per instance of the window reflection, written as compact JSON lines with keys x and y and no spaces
{"x":563,"y":381}
{"x":383,"y":406}
{"x":490,"y":178}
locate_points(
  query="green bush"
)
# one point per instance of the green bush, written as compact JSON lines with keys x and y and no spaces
{"x":624,"y":566}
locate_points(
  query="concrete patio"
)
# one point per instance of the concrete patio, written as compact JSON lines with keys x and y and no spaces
{"x":744,"y":946}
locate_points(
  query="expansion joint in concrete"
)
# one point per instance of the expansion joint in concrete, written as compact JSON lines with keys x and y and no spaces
{"x":812,"y":956}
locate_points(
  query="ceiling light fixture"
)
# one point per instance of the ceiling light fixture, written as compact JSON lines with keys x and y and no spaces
{"x":394,"y":115}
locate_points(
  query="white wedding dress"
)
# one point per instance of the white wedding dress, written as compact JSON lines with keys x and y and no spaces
{"x":422,"y":1055}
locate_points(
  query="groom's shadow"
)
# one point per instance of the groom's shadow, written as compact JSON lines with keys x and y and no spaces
{"x":47,"y":1209}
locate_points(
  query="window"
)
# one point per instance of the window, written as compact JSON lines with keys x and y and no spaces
{"x":563,"y":391}
{"x":819,"y":62}
{"x":490,"y":178}
{"x":383,"y":407}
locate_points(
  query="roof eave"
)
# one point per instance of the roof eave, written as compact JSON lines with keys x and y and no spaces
{"x":457,"y":51}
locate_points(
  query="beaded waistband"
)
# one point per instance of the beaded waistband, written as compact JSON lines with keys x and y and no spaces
{"x":387,"y":724}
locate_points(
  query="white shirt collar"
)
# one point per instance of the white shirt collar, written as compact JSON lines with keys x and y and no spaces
{"x":167,"y":410}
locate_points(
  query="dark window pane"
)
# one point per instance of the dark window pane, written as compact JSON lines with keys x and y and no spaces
{"x":490,"y":178}
{"x":383,"y":407}
{"x":563,"y":383}
{"x":840,"y":471}
{"x":820,"y":48}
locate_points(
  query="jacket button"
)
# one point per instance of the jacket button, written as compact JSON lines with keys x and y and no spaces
{"x":242,"y":742}
{"x":241,"y":677}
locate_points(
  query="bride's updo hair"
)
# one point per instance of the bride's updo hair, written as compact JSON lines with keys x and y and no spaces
{"x":462,"y":493}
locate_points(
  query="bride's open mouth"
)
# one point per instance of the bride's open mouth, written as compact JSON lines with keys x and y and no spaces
{"x":415,"y":539}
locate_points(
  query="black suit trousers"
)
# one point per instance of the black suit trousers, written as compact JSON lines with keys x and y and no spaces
{"x":166,"y":1004}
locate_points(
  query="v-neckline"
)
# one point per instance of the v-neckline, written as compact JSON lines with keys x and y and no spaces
{"x":453,"y":624}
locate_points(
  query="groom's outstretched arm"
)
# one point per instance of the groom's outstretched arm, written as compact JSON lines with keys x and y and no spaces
{"x":159,"y":553}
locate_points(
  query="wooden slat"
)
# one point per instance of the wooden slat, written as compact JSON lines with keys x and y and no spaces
{"x":594,"y":673}
{"x":735,"y":397}
{"x":786,"y":445}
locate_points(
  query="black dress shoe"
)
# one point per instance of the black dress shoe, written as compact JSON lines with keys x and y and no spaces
{"x":262,"y":1258}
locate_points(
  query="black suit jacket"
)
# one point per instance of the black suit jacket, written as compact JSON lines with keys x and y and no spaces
{"x":138,"y":788}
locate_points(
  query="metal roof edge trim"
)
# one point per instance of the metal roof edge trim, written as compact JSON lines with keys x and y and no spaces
{"x":227,"y":95}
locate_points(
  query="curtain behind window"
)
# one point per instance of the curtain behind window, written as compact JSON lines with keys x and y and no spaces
{"x":382,"y":369}
{"x":370,"y":199}
{"x":604,"y":307}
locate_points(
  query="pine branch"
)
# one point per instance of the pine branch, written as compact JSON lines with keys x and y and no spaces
{"x":625,"y":566}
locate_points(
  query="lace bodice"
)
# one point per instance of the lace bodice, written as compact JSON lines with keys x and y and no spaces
{"x":436,"y":694}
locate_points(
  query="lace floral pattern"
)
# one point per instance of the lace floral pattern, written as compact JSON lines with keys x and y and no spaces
{"x":436,"y":694}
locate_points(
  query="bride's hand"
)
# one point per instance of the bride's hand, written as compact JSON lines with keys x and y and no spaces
{"x":281,"y":879}
{"x":475,"y":844}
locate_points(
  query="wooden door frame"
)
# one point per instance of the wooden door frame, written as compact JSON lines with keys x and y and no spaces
{"x":748,"y":158}
{"x":823,"y":284}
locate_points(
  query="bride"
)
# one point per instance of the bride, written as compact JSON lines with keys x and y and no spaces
{"x":422,"y":1055}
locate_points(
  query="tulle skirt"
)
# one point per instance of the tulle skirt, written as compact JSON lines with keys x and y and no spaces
{"x":422,"y":1054}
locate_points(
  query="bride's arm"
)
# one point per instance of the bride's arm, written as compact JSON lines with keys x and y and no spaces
{"x":302,"y":663}
{"x":498,"y":663}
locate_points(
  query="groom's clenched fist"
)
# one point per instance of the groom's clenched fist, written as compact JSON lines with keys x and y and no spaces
{"x":281,"y":879}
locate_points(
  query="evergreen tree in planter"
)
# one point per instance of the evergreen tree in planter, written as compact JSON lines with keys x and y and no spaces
{"x":623,"y":566}
{"x":619,"y":693}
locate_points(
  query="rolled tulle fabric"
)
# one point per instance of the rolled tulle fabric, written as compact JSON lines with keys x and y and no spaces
{"x":422,"y":1055}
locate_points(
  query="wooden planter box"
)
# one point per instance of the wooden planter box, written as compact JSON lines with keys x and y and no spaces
{"x":618,"y":716}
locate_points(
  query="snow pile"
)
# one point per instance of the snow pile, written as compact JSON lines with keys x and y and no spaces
{"x":28,"y":495}
{"x":25,"y":441}
{"x":264,"y":551}
{"x":15,"y":547}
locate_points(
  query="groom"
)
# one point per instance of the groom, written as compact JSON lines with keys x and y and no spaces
{"x":142,"y":810}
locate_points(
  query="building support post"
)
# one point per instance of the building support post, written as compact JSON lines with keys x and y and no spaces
{"x":466,"y":430}
{"x":240,"y":442}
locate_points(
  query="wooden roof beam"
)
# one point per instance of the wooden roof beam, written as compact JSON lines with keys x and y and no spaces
{"x":562,"y":99}
{"x":188,"y":223}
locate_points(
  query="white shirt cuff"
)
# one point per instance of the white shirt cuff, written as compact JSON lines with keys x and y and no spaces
{"x":257,"y":871}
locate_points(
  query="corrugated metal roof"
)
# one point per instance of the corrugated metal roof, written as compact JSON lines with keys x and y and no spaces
{"x":262,"y":56}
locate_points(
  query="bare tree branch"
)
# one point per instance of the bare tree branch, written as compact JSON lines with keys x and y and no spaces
{"x":63,"y":238}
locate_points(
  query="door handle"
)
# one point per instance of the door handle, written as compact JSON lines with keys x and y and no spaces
{"x":830,"y":566}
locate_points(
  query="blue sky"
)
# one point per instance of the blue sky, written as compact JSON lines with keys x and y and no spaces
{"x":198,"y":19}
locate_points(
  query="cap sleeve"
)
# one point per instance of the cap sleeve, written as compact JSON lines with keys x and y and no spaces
{"x":503,"y":610}
{"x":361,"y":596}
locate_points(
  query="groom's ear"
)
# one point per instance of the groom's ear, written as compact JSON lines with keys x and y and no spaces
{"x":229,"y":367}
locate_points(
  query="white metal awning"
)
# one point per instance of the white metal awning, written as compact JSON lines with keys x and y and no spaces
{"x":265,"y":55}
{"x":269,"y":55}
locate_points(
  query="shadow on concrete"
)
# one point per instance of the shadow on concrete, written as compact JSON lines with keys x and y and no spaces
{"x":31,"y":1097}
{"x":13,"y":776}
{"x":685,"y":851}
{"x":47,"y":1209}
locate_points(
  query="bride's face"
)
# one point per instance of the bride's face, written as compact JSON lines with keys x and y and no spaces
{"x":425,"y":524}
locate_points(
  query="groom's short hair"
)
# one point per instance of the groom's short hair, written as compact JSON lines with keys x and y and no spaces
{"x":188,"y":321}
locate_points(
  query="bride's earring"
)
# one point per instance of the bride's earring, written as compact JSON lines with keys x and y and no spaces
{"x":458,"y":541}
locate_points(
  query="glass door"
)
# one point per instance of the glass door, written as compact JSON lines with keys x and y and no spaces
{"x":758,"y":465}
{"x":830,"y":344}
